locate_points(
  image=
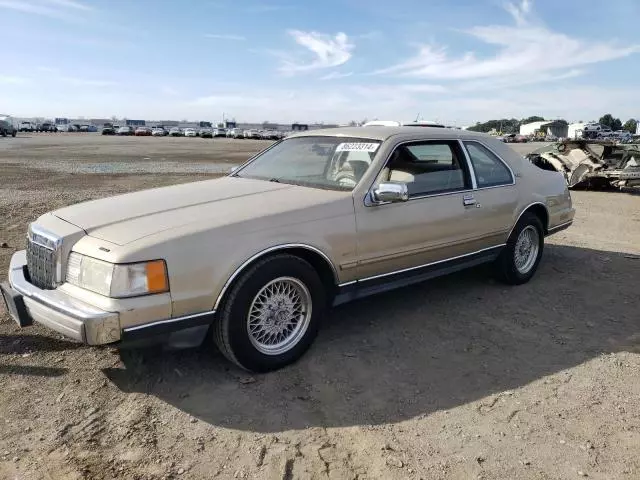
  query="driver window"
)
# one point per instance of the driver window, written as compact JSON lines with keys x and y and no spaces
{"x":351,"y":167}
{"x":428,"y":168}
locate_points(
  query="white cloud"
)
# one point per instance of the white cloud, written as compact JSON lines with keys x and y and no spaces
{"x":31,"y":8}
{"x":167,"y":90}
{"x":85,"y":82}
{"x":70,"y":4}
{"x":47,"y":69}
{"x":523,"y":50}
{"x":336,"y":75}
{"x":265,"y":8}
{"x":58,"y":9}
{"x":520,"y":13}
{"x":13,"y":80}
{"x":222,"y":36}
{"x":328,"y":51}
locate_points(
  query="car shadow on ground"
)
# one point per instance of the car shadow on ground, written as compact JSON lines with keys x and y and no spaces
{"x":27,"y":343}
{"x":428,"y":347}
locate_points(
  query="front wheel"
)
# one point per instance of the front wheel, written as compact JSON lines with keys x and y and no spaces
{"x":520,"y":258}
{"x":271,"y":315}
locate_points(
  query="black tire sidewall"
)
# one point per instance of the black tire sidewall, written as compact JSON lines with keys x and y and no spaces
{"x":510,"y":272}
{"x":235,"y":313}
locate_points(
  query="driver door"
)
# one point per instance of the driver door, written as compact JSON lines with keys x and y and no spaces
{"x":435,"y":224}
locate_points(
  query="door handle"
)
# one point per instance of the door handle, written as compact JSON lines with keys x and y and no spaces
{"x":468,"y":200}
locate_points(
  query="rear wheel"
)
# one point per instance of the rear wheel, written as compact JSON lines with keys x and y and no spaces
{"x":520,"y":258}
{"x":271,"y":314}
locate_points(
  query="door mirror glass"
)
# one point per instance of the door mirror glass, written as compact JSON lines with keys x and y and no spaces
{"x":391,"y":192}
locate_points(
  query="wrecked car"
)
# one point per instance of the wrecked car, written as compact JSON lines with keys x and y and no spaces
{"x":591,"y":164}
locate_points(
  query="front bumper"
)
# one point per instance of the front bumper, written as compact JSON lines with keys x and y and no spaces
{"x":88,"y":324}
{"x":57,"y":310}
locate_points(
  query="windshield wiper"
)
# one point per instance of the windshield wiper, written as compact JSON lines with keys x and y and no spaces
{"x":274,"y":180}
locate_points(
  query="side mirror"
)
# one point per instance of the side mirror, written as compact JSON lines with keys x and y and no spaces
{"x":233,"y":169}
{"x":391,"y":192}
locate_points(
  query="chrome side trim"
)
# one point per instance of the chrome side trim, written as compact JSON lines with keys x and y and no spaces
{"x":522,"y":213}
{"x":168,"y":321}
{"x":266,"y":251}
{"x":472,"y":171}
{"x":346,"y":284}
{"x":371,"y":203}
{"x":559,"y":227}
{"x":382,"y":275}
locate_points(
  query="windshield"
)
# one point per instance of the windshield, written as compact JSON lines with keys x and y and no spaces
{"x":336,"y":163}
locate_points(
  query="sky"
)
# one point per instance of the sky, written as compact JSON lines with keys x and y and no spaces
{"x":331,"y":61}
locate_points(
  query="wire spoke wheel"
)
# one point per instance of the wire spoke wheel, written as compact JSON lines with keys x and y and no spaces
{"x":279,"y":315}
{"x":526,"y":249}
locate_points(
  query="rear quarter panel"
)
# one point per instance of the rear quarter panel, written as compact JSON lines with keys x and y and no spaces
{"x":537,"y":186}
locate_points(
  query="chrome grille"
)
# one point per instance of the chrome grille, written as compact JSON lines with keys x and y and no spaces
{"x":41,"y":265}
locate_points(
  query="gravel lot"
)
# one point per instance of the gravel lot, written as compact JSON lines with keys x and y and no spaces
{"x":456,"y":378}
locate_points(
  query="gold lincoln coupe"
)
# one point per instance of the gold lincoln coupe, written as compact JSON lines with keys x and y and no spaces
{"x":250,"y":262}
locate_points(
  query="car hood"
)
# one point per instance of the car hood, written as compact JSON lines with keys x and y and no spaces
{"x":208,"y":204}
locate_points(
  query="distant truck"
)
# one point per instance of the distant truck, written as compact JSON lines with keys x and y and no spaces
{"x":7,"y":126}
{"x":27,"y":127}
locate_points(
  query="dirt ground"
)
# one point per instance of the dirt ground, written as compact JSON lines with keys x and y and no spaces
{"x":456,"y":378}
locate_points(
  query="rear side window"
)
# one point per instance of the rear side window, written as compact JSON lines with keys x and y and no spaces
{"x":490,"y":170}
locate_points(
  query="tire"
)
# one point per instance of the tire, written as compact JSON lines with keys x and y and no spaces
{"x":511,"y":271}
{"x":14,"y":133}
{"x":4,"y":133}
{"x":231,"y":331}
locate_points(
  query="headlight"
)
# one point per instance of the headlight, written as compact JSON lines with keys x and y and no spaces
{"x":117,"y":281}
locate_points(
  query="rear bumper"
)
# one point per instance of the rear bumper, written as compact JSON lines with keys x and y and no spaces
{"x":88,"y":324}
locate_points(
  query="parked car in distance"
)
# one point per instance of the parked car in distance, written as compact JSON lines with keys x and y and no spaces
{"x":176,"y":132}
{"x":126,"y":130}
{"x":48,"y":127}
{"x":253,"y":134}
{"x":190,"y":132}
{"x":219,"y":132}
{"x":159,"y":132}
{"x":65,"y":128}
{"x":270,"y":135}
{"x":143,"y":132}
{"x":7,"y":127}
{"x":250,"y":261}
{"x":235,"y":133}
{"x":26,"y":127}
{"x":108,"y":129}
{"x":206,"y":133}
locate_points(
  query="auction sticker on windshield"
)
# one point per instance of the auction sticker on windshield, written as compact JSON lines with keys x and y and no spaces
{"x":357,"y":147}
